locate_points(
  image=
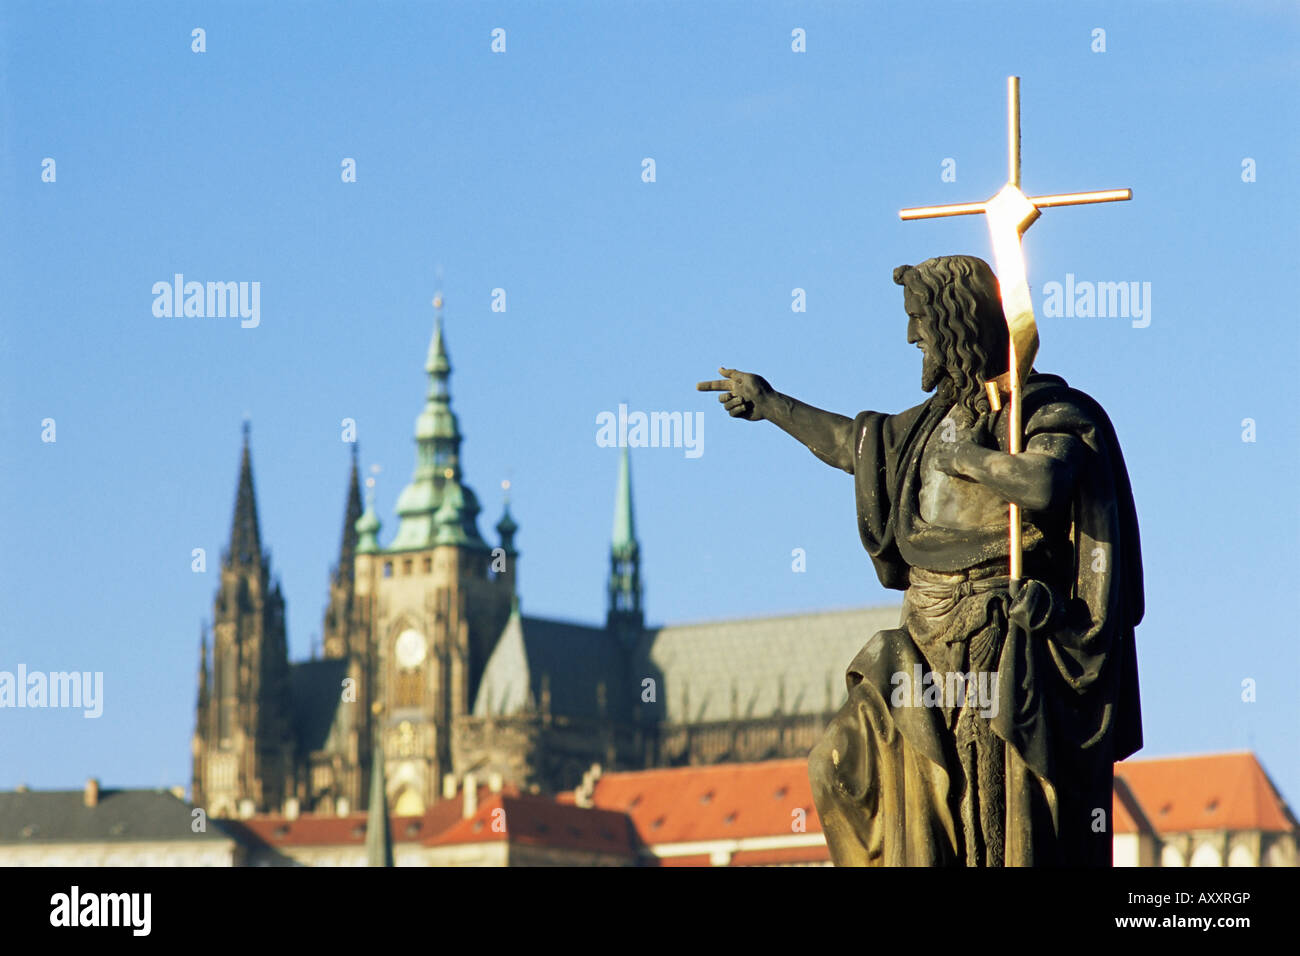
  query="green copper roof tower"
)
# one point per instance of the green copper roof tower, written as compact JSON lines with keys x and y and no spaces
{"x":624,"y":542}
{"x":437,"y":507}
{"x":625,"y":616}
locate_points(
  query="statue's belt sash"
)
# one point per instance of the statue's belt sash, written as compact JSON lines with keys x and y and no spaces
{"x":936,"y":593}
{"x":964,"y":607}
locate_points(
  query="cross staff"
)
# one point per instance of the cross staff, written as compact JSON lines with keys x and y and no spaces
{"x":1009,"y":214}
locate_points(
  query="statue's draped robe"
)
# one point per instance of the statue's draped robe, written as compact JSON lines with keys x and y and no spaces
{"x":899,"y":784}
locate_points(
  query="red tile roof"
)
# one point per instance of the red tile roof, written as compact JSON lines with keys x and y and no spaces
{"x":311,"y":830}
{"x":525,"y":820}
{"x":1127,"y":815}
{"x":719,"y":802}
{"x":529,"y":820}
{"x":320,"y":830}
{"x":1212,"y":792}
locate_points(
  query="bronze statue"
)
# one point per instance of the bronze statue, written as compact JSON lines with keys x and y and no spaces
{"x":982,"y":730}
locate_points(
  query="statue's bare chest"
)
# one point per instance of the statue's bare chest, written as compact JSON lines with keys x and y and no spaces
{"x":953,"y":502}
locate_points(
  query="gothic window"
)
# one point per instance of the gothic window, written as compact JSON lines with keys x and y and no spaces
{"x":221,"y":773}
{"x":1241,"y":855}
{"x":410,"y":686}
{"x":406,"y":742}
{"x":228,"y":696}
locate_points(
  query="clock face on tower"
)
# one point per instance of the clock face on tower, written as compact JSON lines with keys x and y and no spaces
{"x":410,"y":649}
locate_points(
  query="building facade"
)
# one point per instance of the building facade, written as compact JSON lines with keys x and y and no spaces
{"x":1202,"y":810}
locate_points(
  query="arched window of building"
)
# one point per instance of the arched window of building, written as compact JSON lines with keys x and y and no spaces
{"x":1206,"y":855}
{"x":1241,"y":855}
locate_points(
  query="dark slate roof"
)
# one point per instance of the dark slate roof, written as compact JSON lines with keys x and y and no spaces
{"x":574,"y":658}
{"x":61,"y":816}
{"x":794,"y":664}
{"x":316,"y":689}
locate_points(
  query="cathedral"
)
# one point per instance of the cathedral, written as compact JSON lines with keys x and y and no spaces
{"x":431,"y":675}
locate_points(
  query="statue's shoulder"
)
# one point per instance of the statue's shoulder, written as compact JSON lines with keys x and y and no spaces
{"x":893,"y":420}
{"x":1046,"y":389}
{"x":1049,"y":398}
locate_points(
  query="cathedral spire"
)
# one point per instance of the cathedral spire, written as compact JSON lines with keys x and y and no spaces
{"x":437,"y":431}
{"x":438,"y":365}
{"x":245,"y":538}
{"x":625,"y":615}
{"x":437,"y":507}
{"x":624,"y":539}
{"x":250,"y":726}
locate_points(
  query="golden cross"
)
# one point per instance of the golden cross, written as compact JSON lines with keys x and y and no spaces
{"x":1009,"y":214}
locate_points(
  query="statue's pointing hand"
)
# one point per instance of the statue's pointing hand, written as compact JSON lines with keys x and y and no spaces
{"x":743,"y":393}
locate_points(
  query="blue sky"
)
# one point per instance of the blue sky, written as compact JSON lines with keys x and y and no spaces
{"x":522,"y":171}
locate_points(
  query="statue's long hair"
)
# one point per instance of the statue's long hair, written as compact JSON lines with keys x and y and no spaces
{"x":963,"y":311}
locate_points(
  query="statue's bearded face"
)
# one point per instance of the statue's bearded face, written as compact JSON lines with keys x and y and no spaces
{"x":920,"y":333}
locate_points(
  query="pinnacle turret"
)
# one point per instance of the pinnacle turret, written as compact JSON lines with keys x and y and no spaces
{"x":367,"y":526}
{"x":506,"y":527}
{"x":625,"y":615}
{"x":340,"y":614}
{"x":351,"y":514}
{"x":456,"y":520}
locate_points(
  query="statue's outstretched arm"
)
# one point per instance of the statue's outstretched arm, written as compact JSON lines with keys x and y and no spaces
{"x":827,"y":435}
